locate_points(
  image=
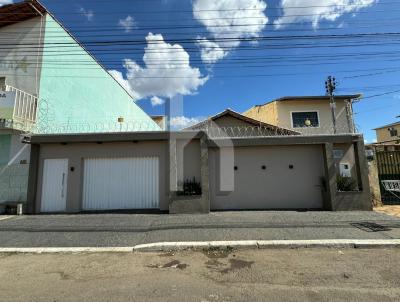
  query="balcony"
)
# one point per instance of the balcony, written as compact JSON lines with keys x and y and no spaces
{"x":18,"y":109}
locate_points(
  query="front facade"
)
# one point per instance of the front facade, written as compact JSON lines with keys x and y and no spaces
{"x":388,"y":137}
{"x":189,"y":172}
{"x":49,"y":83}
{"x":309,"y":115}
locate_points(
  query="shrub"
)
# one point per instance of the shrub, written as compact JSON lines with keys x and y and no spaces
{"x":346,"y":184}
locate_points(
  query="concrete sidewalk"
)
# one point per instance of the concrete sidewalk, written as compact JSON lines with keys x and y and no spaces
{"x":111,"y":230}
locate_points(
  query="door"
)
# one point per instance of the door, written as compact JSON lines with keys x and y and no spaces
{"x":54,"y":186}
{"x":121,"y":183}
{"x":272,"y":177}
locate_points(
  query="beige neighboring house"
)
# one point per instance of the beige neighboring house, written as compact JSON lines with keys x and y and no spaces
{"x":388,"y":137}
{"x":308,"y":114}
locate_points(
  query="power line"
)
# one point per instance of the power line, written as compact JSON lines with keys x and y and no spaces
{"x":241,"y":9}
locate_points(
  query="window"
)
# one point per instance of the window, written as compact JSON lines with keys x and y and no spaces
{"x":305,"y":119}
{"x":338,"y":154}
{"x":393,"y":132}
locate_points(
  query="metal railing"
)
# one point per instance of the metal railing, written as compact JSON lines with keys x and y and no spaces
{"x":25,"y":107}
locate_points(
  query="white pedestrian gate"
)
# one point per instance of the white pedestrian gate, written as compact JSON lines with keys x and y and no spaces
{"x":54,"y":186}
{"x":121,"y":183}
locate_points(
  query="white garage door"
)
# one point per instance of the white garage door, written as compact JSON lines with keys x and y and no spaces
{"x":121,"y":183}
{"x":273,"y":177}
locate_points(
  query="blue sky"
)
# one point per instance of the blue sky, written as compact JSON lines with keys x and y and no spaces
{"x":218,"y":71}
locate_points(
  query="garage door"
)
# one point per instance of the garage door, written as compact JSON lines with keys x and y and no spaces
{"x":121,"y":183}
{"x":271,"y":177}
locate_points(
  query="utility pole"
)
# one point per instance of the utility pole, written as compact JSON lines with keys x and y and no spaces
{"x":330,"y":86}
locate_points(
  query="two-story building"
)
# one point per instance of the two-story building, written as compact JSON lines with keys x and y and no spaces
{"x":308,"y":114}
{"x":49,"y":83}
{"x":388,"y":137}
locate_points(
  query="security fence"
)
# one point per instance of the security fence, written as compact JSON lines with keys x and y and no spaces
{"x":388,"y":169}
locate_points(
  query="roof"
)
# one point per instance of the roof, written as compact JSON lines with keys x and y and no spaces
{"x":314,"y":98}
{"x":14,"y":13}
{"x":230,"y":112}
{"x":389,"y":125}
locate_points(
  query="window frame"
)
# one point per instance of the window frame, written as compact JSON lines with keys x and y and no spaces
{"x":305,"y":127}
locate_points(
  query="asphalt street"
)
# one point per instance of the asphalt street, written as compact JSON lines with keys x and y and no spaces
{"x":102,"y":230}
{"x":209,"y":276}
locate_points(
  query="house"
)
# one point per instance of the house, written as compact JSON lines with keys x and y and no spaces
{"x":230,"y":123}
{"x":308,"y":114}
{"x":191,"y":172}
{"x":388,"y":137}
{"x":49,"y":83}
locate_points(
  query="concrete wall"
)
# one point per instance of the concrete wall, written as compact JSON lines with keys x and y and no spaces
{"x":188,"y":160}
{"x":266,"y":113}
{"x":279,"y":114}
{"x":347,"y":158}
{"x":78,"y":95}
{"x":300,"y":172}
{"x":285,"y":108}
{"x":383,"y":134}
{"x":374,"y":185}
{"x":21,"y":64}
{"x":13,"y":183}
{"x":5,"y":143}
{"x":75,"y":153}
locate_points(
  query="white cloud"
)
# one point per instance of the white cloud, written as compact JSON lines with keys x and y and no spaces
{"x":211,"y":52}
{"x":4,"y":2}
{"x":124,"y":83}
{"x":167,"y":71}
{"x":225,"y":19}
{"x":87,"y":13}
{"x":180,"y":122}
{"x":156,"y":101}
{"x":316,"y":11}
{"x":127,"y":24}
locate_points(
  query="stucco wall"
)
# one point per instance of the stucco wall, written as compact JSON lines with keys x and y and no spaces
{"x":266,"y":113}
{"x":75,"y":153}
{"x":77,"y":95}
{"x":324,"y":111}
{"x":13,"y":183}
{"x":21,"y":63}
{"x":383,"y":134}
{"x":188,"y":160}
{"x":347,"y":158}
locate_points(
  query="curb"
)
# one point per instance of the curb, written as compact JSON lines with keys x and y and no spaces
{"x":269,"y":244}
{"x":64,"y":250}
{"x":200,"y":245}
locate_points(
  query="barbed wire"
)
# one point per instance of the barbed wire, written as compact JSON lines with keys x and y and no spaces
{"x":94,"y":127}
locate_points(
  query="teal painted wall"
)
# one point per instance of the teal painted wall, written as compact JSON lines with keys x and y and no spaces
{"x":5,"y":143}
{"x":78,"y":95}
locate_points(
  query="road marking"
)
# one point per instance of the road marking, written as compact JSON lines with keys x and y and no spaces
{"x":199,"y":245}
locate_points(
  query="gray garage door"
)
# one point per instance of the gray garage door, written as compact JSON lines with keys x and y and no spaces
{"x":273,"y":177}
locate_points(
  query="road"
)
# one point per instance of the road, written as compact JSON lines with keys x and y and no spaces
{"x":246,"y":275}
{"x":96,"y":230}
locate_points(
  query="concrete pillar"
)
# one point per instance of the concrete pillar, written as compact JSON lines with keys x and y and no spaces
{"x":205,"y":174}
{"x":33,"y":180}
{"x":173,"y":166}
{"x":330,"y":177}
{"x":362,"y":172}
{"x":374,"y":185}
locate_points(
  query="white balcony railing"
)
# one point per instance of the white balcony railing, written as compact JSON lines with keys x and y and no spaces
{"x":25,"y":108}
